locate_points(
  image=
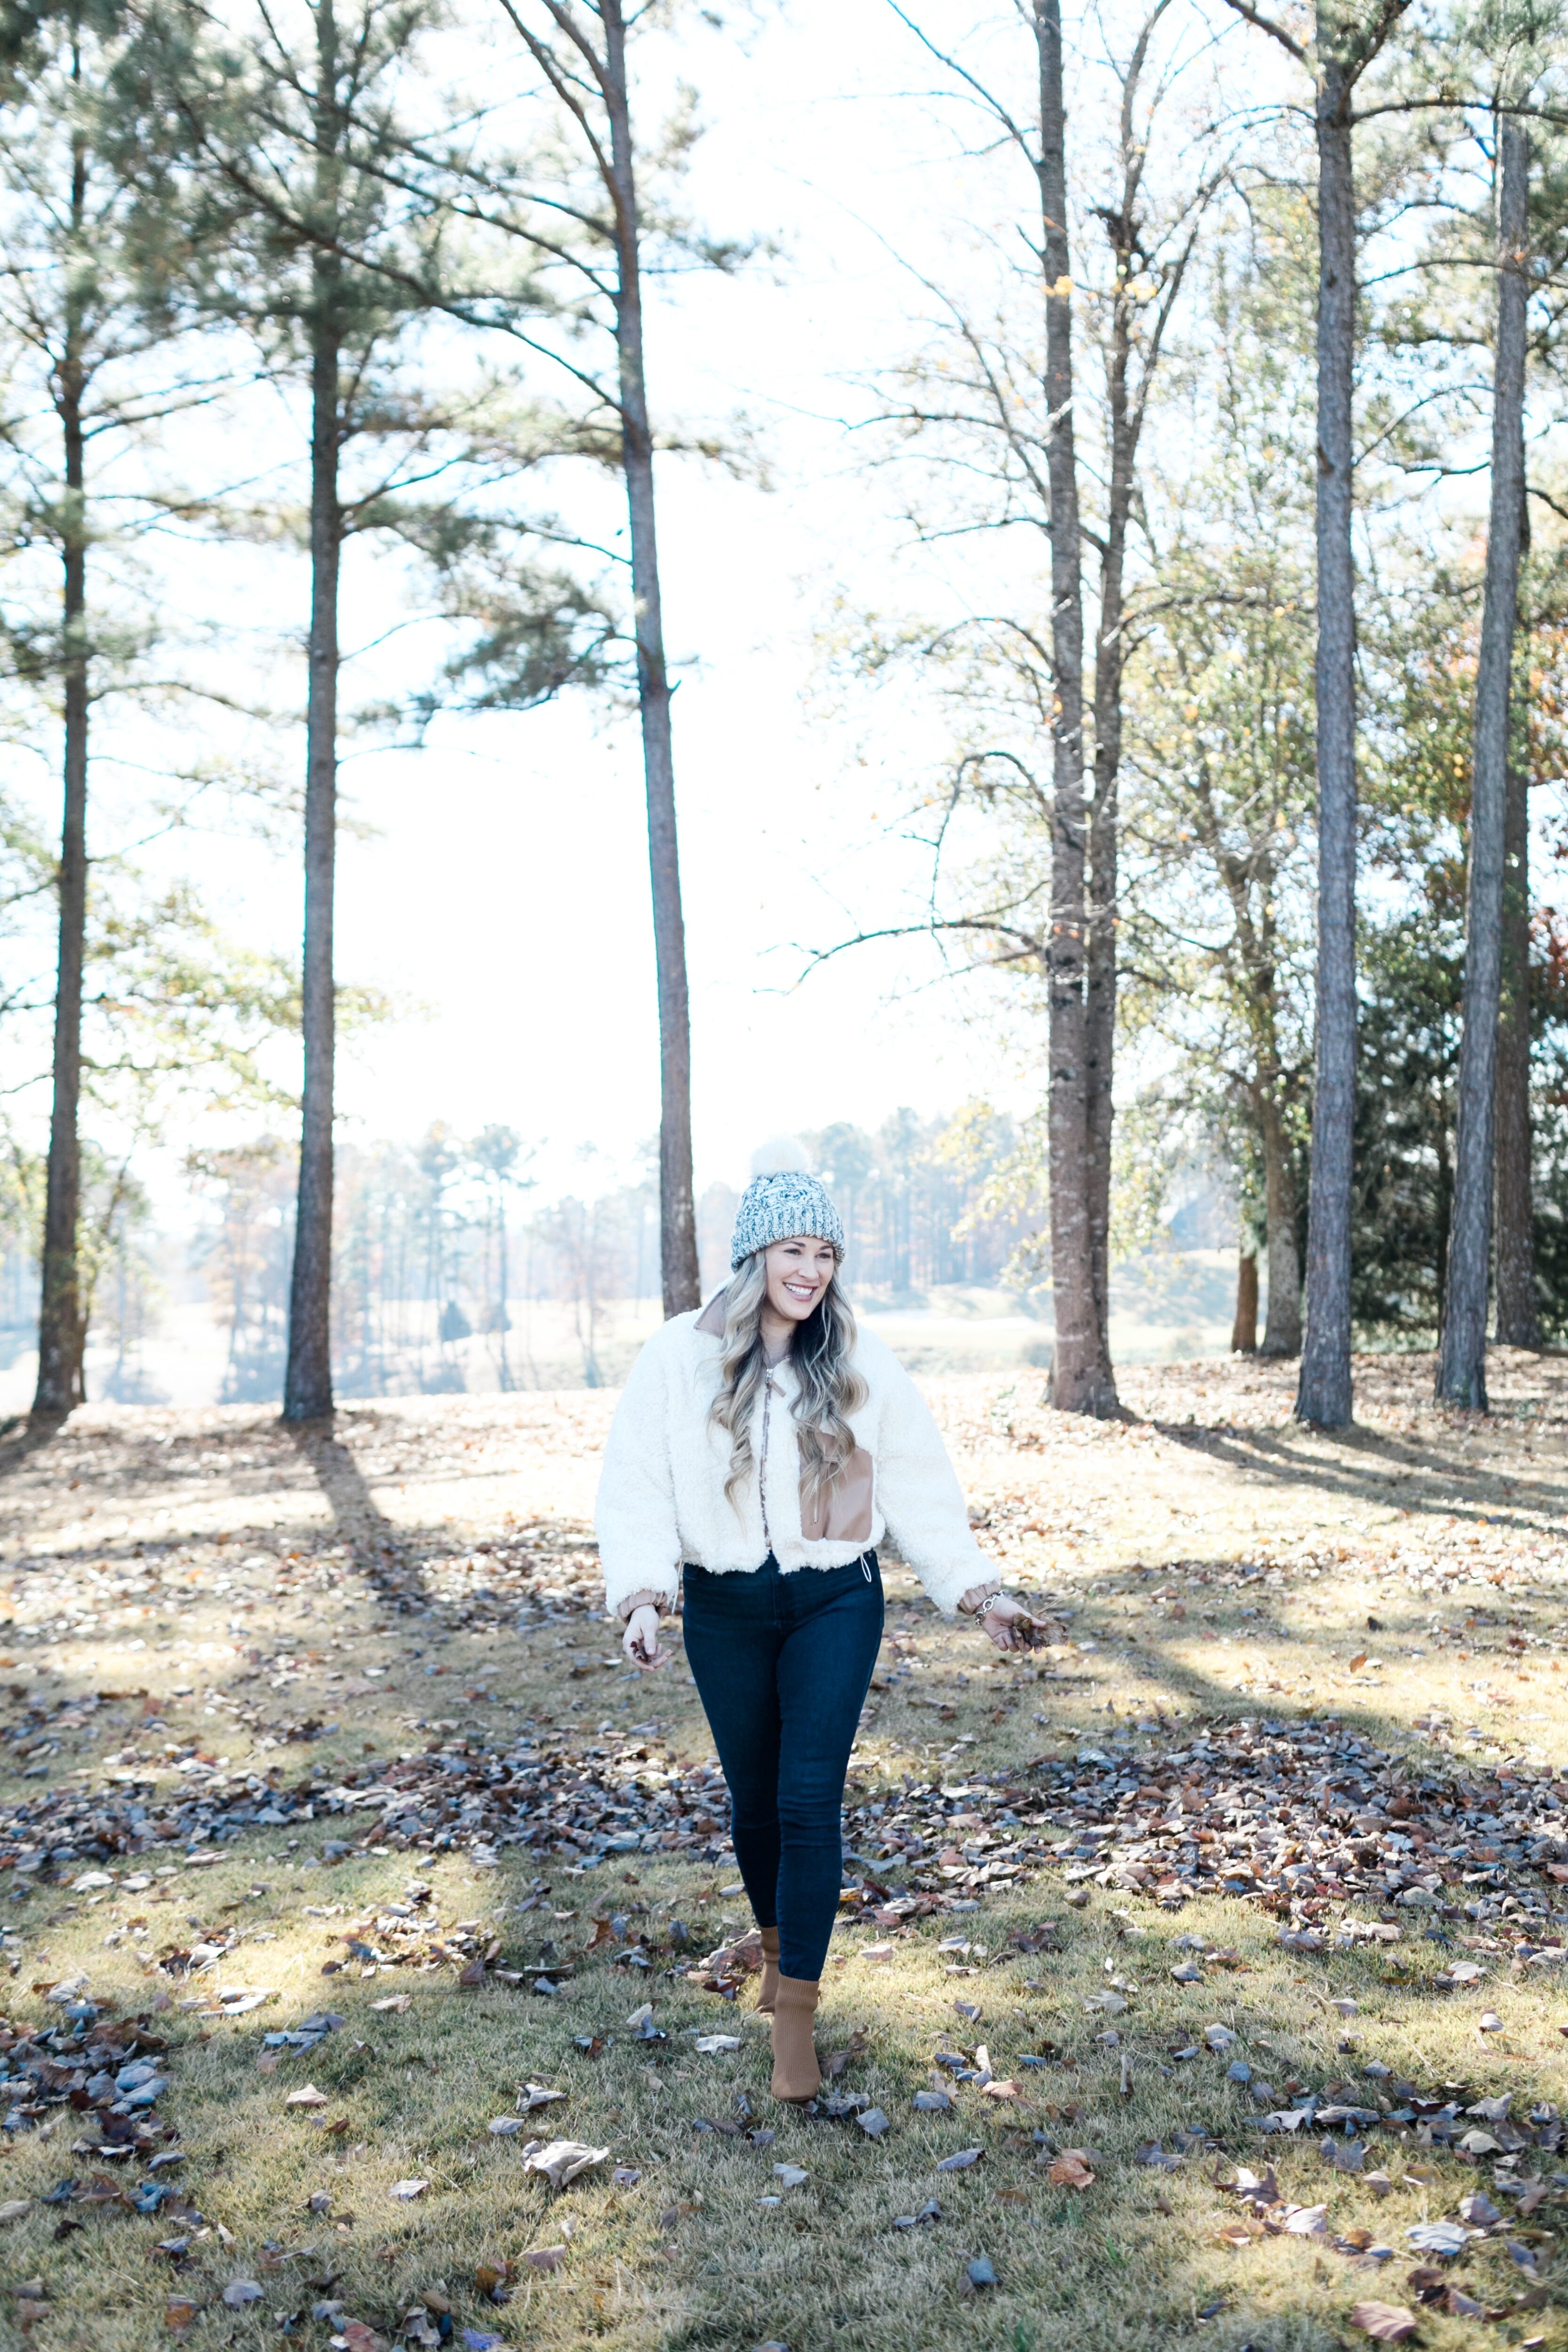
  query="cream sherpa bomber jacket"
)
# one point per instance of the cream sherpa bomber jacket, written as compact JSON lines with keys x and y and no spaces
{"x":661,"y":1492}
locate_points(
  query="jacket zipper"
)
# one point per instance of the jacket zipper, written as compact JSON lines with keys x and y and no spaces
{"x":763,"y":1466}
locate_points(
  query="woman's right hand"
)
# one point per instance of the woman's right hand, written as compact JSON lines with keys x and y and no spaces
{"x":1007,"y":1622}
{"x":640,"y":1640}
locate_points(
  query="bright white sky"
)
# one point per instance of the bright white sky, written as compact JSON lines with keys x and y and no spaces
{"x":502,"y":895}
{"x":509,"y":888}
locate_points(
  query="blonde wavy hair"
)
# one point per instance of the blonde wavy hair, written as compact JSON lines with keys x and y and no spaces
{"x":829,"y":1387}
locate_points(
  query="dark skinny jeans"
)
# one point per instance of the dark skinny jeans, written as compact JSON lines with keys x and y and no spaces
{"x":781,"y":1665}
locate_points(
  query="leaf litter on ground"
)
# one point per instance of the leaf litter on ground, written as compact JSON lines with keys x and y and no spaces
{"x":1210,"y":1779}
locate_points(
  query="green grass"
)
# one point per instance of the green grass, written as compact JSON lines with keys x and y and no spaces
{"x":1132,"y":2260}
{"x":688,"y":2256}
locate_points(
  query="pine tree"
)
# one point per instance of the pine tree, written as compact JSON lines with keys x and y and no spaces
{"x":1462,"y":1355}
{"x":91,"y":246}
{"x":1346,"y":40}
{"x":313,"y":141}
{"x":596,"y":238}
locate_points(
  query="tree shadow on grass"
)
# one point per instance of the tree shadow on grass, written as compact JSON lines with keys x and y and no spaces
{"x":1427,"y":1493}
{"x":124,"y":1459}
{"x":390,"y":1560}
{"x":1150,"y":1680}
{"x":21,"y":1438}
{"x":1192,"y":1691}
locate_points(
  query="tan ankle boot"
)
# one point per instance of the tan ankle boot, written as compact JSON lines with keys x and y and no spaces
{"x":796,"y":2074}
{"x":768,"y":1992}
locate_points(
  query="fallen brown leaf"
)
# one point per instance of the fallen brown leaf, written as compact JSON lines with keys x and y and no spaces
{"x":99,"y":2191}
{"x":1388,"y":2323}
{"x":1070,"y":2170}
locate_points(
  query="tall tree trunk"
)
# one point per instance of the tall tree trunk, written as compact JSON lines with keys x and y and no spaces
{"x":1125,"y":416}
{"x":1282,"y":1330}
{"x":1518,"y":1306}
{"x":678,"y":1214}
{"x":1244,"y":1330}
{"x":1100,"y":1045}
{"x":1462,"y":1350}
{"x":308,"y":1381}
{"x":62,"y":1328}
{"x":1323,"y":1393}
{"x":1103,"y":845}
{"x":505,"y":1286}
{"x":1082,"y":1381}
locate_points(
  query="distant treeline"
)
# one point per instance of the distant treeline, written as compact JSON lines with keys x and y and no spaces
{"x":437,"y":1244}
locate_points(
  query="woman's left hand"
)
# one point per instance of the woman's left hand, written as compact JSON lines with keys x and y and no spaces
{"x":640,"y":1640}
{"x":1001,"y":1622}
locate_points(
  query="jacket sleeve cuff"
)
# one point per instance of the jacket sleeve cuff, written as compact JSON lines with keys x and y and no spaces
{"x":647,"y":1599}
{"x":949,"y":1588}
{"x":622,"y":1596}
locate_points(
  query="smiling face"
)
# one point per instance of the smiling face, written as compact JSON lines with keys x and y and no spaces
{"x":798,"y":1272}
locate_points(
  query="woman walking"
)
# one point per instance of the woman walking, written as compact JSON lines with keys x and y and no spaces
{"x":766,"y":1444}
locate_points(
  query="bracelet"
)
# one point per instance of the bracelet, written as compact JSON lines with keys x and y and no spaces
{"x":978,"y":1599}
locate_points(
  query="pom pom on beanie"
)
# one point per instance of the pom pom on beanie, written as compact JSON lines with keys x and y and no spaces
{"x":783,"y":1156}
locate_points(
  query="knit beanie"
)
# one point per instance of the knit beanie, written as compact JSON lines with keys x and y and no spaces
{"x":783,"y":1200}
